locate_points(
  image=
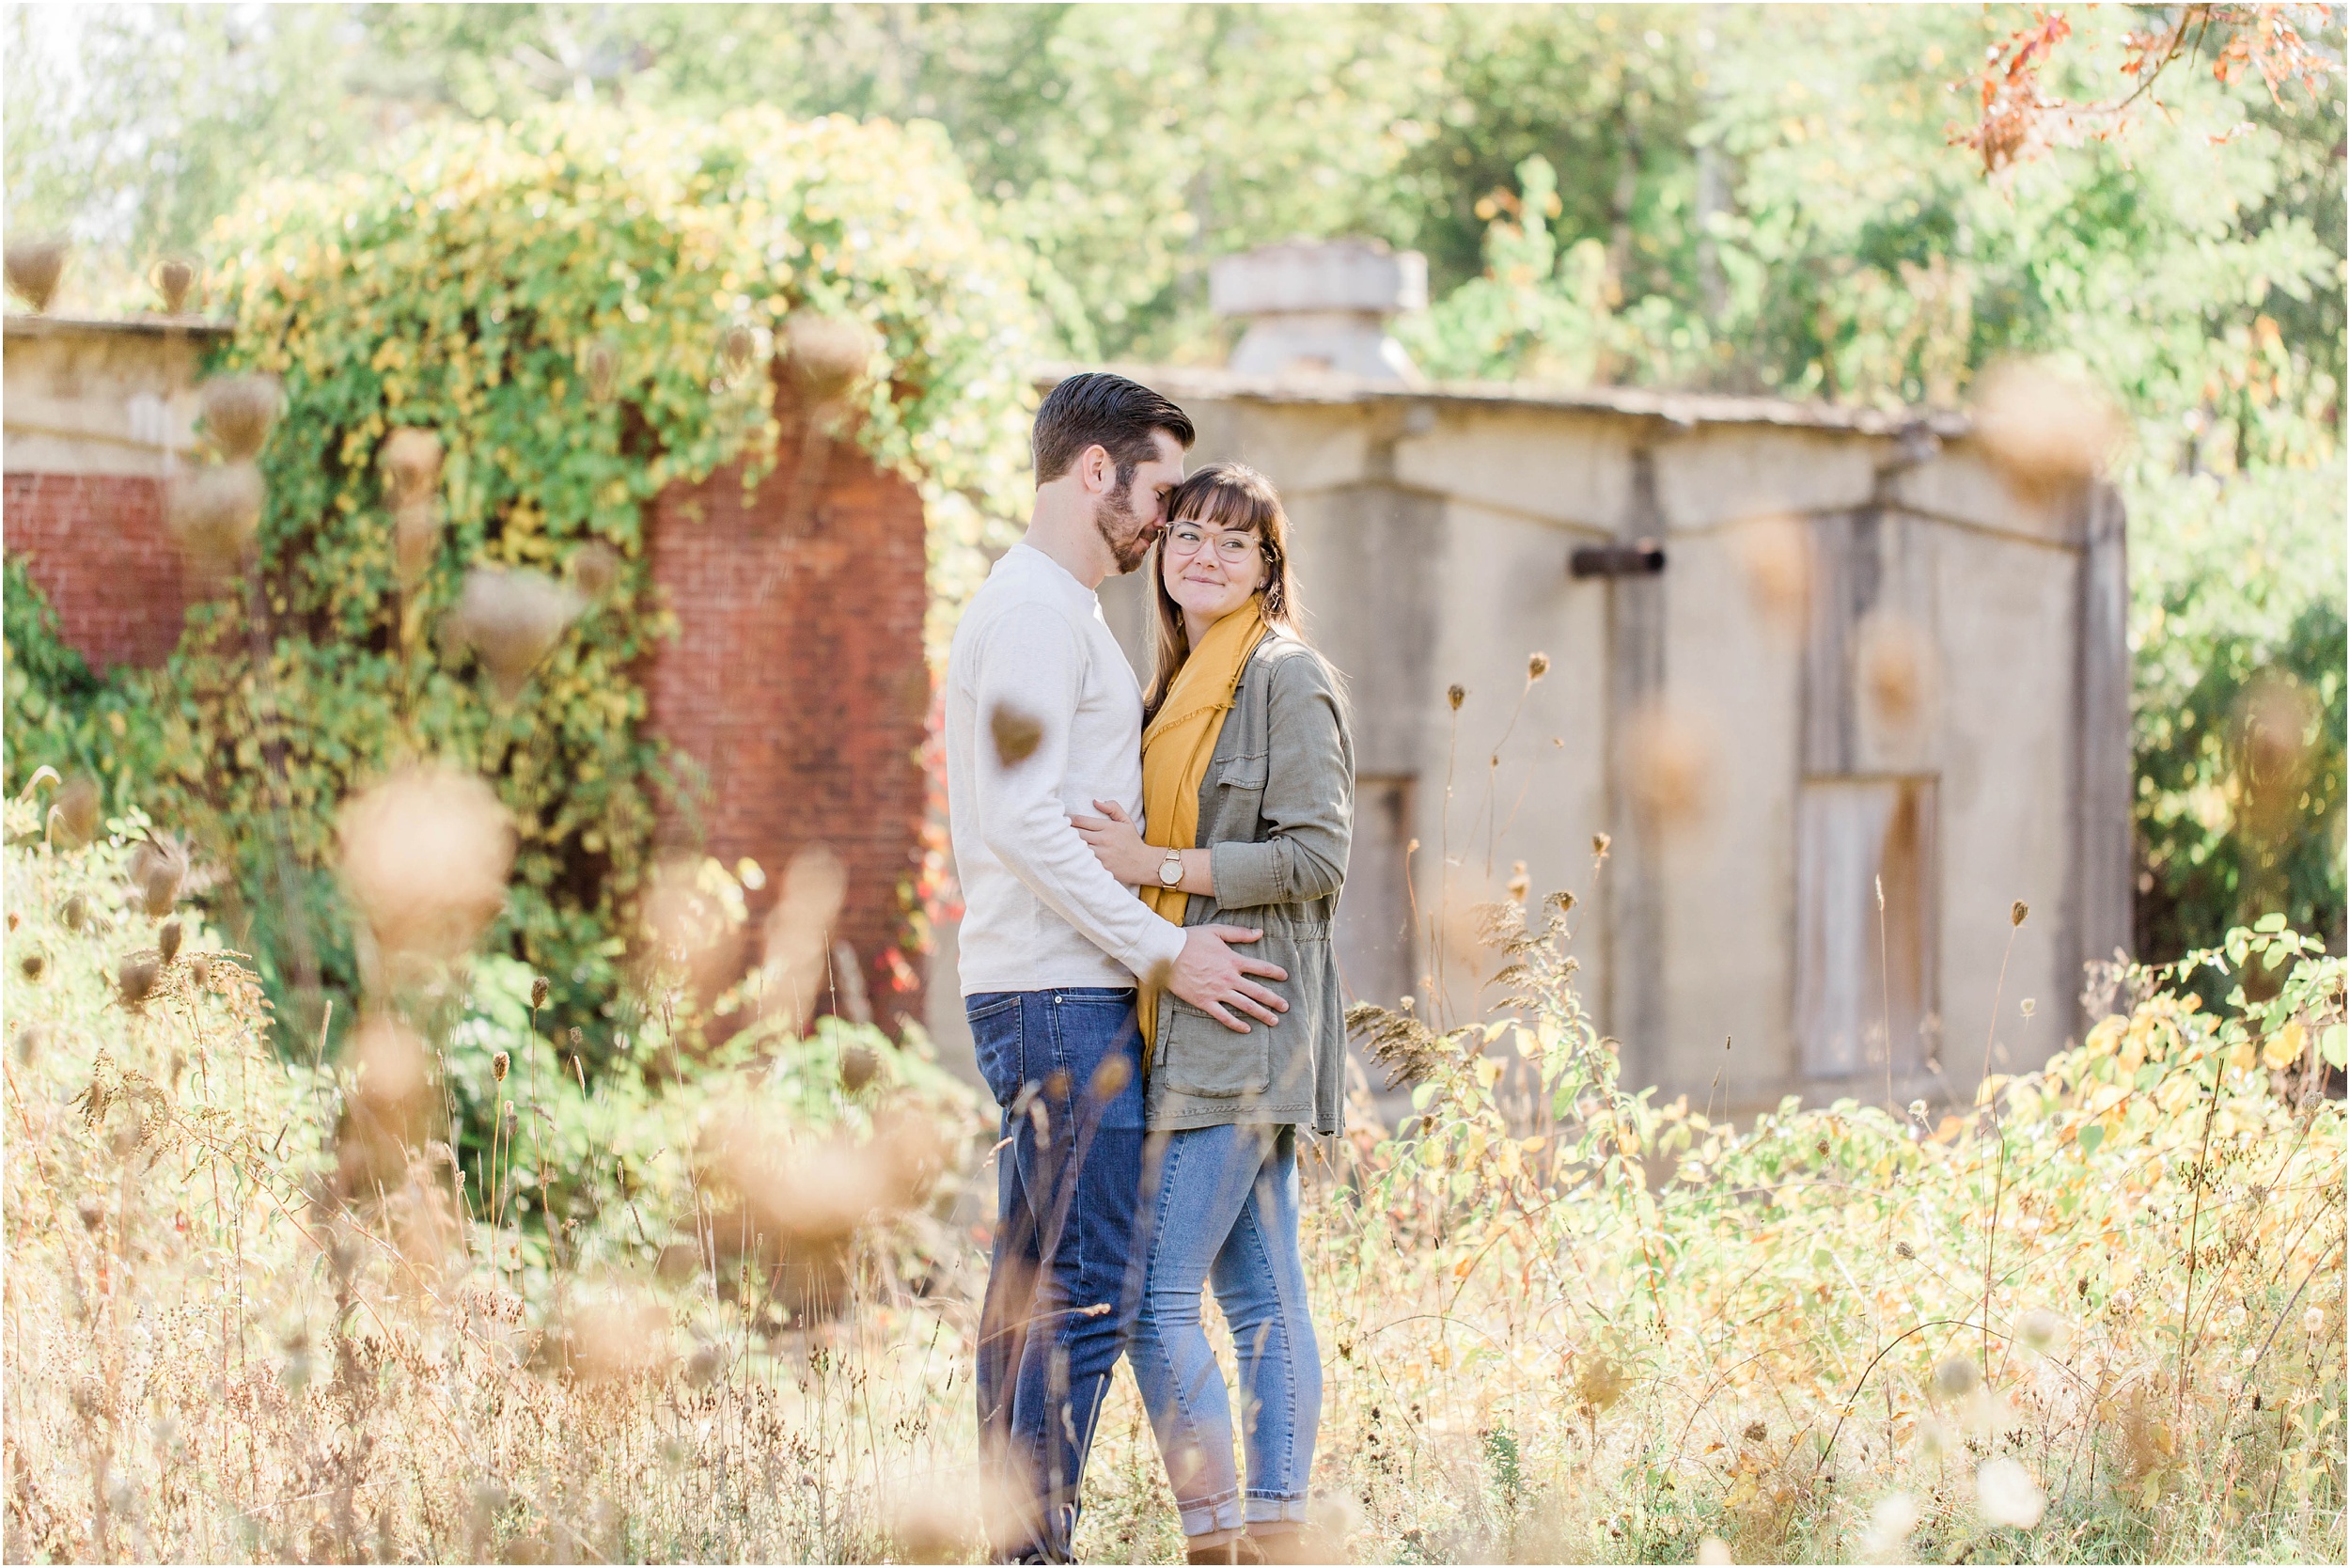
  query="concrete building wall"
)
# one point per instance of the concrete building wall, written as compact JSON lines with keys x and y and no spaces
{"x":1933,"y":708}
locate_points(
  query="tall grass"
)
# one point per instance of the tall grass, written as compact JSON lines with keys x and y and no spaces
{"x":2096,"y":1316}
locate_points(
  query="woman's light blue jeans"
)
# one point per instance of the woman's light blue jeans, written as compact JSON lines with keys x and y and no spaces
{"x":1224,"y":1211}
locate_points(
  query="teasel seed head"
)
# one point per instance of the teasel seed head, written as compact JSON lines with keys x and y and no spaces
{"x":1537,"y":665}
{"x":2016,"y":913}
{"x":412,"y":465}
{"x":215,"y":513}
{"x":538,"y":991}
{"x":499,"y":1064}
{"x":31,"y":965}
{"x":167,"y":941}
{"x":73,"y":912}
{"x":829,"y":354}
{"x":92,"y":1210}
{"x":201,"y":969}
{"x":1455,"y":695}
{"x":858,"y":1065}
{"x":35,"y":266}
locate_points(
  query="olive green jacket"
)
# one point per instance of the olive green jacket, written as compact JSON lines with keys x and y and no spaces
{"x":1277,"y":810}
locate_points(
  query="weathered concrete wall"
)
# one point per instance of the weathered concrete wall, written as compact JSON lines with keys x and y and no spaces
{"x":1947,"y":650}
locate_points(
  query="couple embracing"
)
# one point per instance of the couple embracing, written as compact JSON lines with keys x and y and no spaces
{"x":1154,"y":1055}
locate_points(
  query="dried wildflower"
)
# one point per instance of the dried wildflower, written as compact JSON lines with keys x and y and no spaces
{"x":1455,"y":695}
{"x":613,"y":1340}
{"x":704,"y":1365}
{"x":74,"y":817}
{"x":215,"y":512}
{"x":1904,"y":1250}
{"x":1110,"y":1078}
{"x":1890,"y":1523}
{"x":595,"y":569}
{"x":199,"y":970}
{"x":1777,"y":556}
{"x":828,"y":354}
{"x":737,"y":344}
{"x":412,"y":465}
{"x":511,"y":616}
{"x":1520,"y":884}
{"x":2046,"y":431}
{"x":537,"y":992}
{"x":599,"y":364}
{"x":239,"y":411}
{"x":92,"y":1210}
{"x":135,"y":978}
{"x":2007,"y":1494}
{"x":499,"y":1065}
{"x":35,"y":266}
{"x":426,"y":855}
{"x":1898,"y":670}
{"x":73,"y":912}
{"x":167,"y":941}
{"x":1756,"y":1432}
{"x":1016,"y":734}
{"x":158,"y":867}
{"x":385,"y":1115}
{"x":1671,"y":764}
{"x":2017,"y":912}
{"x":2040,"y":1328}
{"x":31,"y":965}
{"x":859,"y":1066}
{"x":1955,"y":1377}
{"x":1398,"y":1041}
{"x":27,"y":1043}
{"x":792,"y":968}
{"x":1537,"y":665}
{"x":1599,"y":844}
{"x":1600,"y":1378}
{"x":175,"y":278}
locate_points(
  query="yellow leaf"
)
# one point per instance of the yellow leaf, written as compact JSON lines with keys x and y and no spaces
{"x":2283,"y":1048}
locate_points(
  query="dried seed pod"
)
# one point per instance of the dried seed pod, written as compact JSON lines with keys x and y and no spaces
{"x":416,"y":541}
{"x":1537,"y":665}
{"x":858,"y":1065}
{"x":239,"y":411}
{"x":829,"y":354}
{"x":32,"y":966}
{"x":92,"y":1210}
{"x":1016,"y":734}
{"x":200,"y":970}
{"x":1670,"y":768}
{"x":2047,"y":431}
{"x":137,"y":977}
{"x":28,"y":1044}
{"x":215,"y":512}
{"x":412,"y":465}
{"x":1455,"y":695}
{"x":35,"y":267}
{"x":2017,"y":912}
{"x":511,"y":616}
{"x":175,"y":278}
{"x":595,"y":568}
{"x":75,"y":813}
{"x":426,"y":855}
{"x":737,"y":343}
{"x":167,"y":941}
{"x":538,"y":991}
{"x":499,"y":1065}
{"x":600,"y":363}
{"x":158,"y":866}
{"x":73,"y":912}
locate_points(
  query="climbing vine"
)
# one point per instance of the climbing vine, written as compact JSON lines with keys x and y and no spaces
{"x":578,"y":310}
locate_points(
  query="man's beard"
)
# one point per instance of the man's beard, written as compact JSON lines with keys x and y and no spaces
{"x":1128,"y":537}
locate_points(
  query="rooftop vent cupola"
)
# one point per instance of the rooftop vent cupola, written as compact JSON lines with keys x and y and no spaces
{"x":1320,"y":306}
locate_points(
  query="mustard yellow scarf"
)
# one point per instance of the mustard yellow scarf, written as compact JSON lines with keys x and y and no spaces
{"x":1175,"y":753}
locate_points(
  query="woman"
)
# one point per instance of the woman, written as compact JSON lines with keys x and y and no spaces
{"x":1247,"y":787}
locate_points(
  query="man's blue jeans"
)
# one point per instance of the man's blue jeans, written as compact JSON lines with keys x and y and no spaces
{"x":1066,"y":1279}
{"x":1225,"y":1212}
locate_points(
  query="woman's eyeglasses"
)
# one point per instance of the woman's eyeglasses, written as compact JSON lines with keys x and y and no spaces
{"x":1186,"y":538}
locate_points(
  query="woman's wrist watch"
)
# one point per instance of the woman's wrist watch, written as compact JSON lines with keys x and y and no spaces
{"x":1171,"y":869}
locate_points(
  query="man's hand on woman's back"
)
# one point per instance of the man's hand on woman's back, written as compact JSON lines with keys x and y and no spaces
{"x":1211,"y":976}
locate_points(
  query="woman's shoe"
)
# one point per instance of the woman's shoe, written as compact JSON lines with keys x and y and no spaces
{"x":1226,"y":1551}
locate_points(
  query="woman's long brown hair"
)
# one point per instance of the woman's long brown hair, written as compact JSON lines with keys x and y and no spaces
{"x":1224,"y":496}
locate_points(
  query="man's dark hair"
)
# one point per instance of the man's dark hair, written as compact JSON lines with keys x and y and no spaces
{"x":1098,"y":409}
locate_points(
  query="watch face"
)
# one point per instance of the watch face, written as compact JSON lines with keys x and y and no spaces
{"x":1170,"y":871}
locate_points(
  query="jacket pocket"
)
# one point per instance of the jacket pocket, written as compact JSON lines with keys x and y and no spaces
{"x":1200,"y":1057}
{"x":1242,"y":772}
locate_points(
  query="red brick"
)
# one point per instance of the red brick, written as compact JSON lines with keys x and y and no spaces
{"x":98,"y":548}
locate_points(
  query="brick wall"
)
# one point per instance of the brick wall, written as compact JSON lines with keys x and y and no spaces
{"x":798,"y":680}
{"x":97,"y":546}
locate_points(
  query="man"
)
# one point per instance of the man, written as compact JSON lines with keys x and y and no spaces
{"x":1045,"y":719}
